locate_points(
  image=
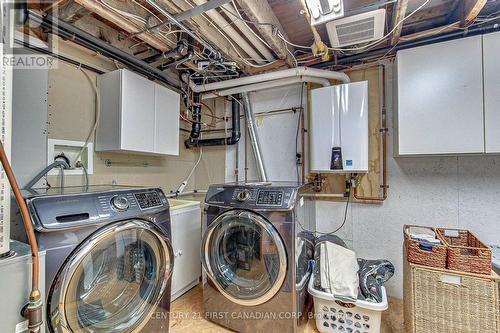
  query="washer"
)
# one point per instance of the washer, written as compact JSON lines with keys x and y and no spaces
{"x":257,"y":249}
{"x":109,"y":258}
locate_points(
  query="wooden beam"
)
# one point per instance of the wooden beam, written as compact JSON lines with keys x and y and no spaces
{"x":397,"y":16}
{"x":126,"y":24}
{"x":261,"y":11}
{"x":472,"y":9}
{"x":202,"y":27}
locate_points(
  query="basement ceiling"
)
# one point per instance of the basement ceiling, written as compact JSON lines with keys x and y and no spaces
{"x":120,"y":23}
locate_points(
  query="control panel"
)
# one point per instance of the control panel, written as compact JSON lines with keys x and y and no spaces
{"x":270,"y":198}
{"x":66,"y":211}
{"x":148,"y":199}
{"x":243,"y":194}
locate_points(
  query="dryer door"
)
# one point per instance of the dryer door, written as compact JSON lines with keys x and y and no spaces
{"x":113,"y":281}
{"x":245,"y":257}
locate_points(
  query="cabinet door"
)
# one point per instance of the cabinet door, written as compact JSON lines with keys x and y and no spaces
{"x":186,"y":239}
{"x":440,"y":98}
{"x":491,"y":59}
{"x":167,"y":104}
{"x":138,"y":113}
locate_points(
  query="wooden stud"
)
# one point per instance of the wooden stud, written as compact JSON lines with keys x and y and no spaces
{"x":261,"y":11}
{"x":467,"y":10}
{"x":397,"y":16}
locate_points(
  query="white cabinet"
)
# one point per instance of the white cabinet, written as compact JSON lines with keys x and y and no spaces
{"x":167,"y":103}
{"x":491,"y":63}
{"x":440,"y":98}
{"x":186,"y":240}
{"x":137,"y":115}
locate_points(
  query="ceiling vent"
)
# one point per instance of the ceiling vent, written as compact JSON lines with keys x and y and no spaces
{"x":357,"y":29}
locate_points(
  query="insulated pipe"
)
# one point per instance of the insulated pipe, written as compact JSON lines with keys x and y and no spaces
{"x":267,"y":85}
{"x":287,"y":73}
{"x":33,"y":311}
{"x":254,"y":138}
{"x":228,"y":29}
{"x":248,"y":33}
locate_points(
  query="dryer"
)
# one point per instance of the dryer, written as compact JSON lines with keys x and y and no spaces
{"x":109,"y":258}
{"x":256,"y":252}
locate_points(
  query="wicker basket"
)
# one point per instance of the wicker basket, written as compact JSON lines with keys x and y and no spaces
{"x":465,"y":251}
{"x":445,"y":301}
{"x":424,"y":253}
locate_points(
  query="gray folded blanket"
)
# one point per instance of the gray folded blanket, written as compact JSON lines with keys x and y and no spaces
{"x":372,"y":273}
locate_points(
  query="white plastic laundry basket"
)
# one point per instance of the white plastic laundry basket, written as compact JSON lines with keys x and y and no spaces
{"x":333,"y":315}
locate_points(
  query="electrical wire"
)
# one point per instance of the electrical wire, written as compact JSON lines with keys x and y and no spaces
{"x":346,"y":210}
{"x":97,"y":115}
{"x":297,"y":133}
{"x":181,"y":187}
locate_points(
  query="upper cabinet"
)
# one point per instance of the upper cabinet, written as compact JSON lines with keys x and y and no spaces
{"x":491,"y":63}
{"x":440,"y":98}
{"x":137,"y":115}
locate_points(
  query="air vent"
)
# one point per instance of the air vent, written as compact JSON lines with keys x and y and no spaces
{"x":357,"y":29}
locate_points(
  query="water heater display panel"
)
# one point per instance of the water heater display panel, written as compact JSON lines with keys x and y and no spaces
{"x":269,"y":197}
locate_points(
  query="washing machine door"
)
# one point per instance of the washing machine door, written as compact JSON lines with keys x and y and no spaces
{"x":113,"y":281}
{"x":244,"y":256}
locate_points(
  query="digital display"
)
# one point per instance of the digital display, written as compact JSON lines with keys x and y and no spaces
{"x":270,"y":198}
{"x":148,"y":199}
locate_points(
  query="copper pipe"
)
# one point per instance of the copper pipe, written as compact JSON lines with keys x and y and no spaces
{"x":384,"y":186}
{"x":33,"y":310}
{"x":25,"y":215}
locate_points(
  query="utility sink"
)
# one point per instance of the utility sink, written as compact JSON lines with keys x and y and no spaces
{"x":178,"y":204}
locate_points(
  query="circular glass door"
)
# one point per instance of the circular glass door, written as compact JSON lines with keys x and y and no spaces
{"x":244,"y":256}
{"x":113,"y":281}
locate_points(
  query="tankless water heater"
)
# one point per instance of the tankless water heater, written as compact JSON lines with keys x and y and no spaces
{"x":339,"y":128}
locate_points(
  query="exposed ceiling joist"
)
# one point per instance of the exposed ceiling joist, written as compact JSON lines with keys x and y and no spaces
{"x":204,"y":28}
{"x":397,"y":16}
{"x":125,"y":24}
{"x":468,"y":10}
{"x":261,"y":11}
{"x":200,"y":9}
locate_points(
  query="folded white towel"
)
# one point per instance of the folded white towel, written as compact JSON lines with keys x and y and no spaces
{"x":339,"y":270}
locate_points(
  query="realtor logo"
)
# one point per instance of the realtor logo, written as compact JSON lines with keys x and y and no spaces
{"x":26,"y":43}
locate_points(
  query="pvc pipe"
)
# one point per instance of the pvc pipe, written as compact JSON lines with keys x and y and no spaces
{"x":254,"y":138}
{"x":287,"y":73}
{"x":267,"y":85}
{"x":228,"y":29}
{"x":248,"y":33}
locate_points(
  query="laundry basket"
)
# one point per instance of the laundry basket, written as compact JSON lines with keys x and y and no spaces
{"x":333,"y":315}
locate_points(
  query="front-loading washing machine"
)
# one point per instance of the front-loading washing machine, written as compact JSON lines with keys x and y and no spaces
{"x":257,"y":249}
{"x":109,"y":258}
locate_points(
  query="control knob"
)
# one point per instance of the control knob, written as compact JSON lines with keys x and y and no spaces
{"x":120,"y":203}
{"x":243,"y":195}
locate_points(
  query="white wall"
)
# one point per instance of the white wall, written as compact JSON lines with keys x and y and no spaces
{"x":462,"y":192}
{"x":439,"y":191}
{"x":277,"y":132}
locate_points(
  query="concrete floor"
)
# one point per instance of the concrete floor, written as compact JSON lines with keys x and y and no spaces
{"x":186,"y":316}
